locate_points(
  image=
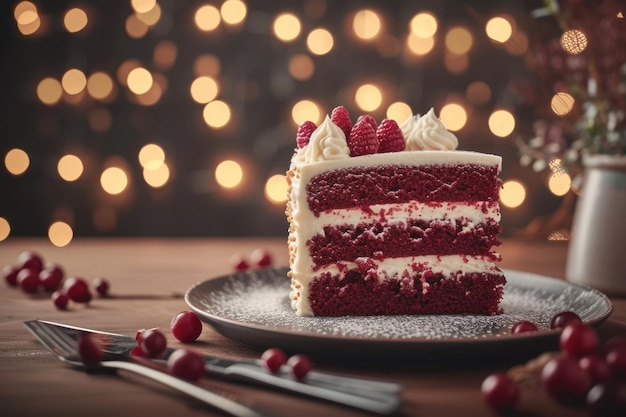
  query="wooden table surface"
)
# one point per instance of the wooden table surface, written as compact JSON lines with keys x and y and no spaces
{"x":148,"y":279}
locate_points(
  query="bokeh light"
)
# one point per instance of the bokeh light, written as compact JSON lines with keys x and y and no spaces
{"x":99,"y":85}
{"x":559,"y":183}
{"x":562,"y":103}
{"x":207,"y":18}
{"x":233,"y":11}
{"x":512,"y":194}
{"x":143,"y":6}
{"x":320,"y":41}
{"x":276,"y":189}
{"x":114,"y":180}
{"x":75,"y":20}
{"x":74,"y":81}
{"x":60,"y":234}
{"x":301,"y":67}
{"x":424,"y":25}
{"x":418,"y":45}
{"x":216,"y":114}
{"x":228,"y":174}
{"x":207,"y":64}
{"x":27,"y":18}
{"x":70,"y":167}
{"x":368,"y":97}
{"x":164,"y":56}
{"x":366,"y":24}
{"x":458,"y":40}
{"x":151,"y":17}
{"x":156,"y":175}
{"x":139,"y":80}
{"x":151,"y":155}
{"x":49,"y":91}
{"x":5,"y":228}
{"x":135,"y":27}
{"x":499,"y":29}
{"x":453,"y":116}
{"x":286,"y":27}
{"x":306,"y":110}
{"x":204,"y":89}
{"x":399,"y":111}
{"x":501,"y":123}
{"x":574,"y":41}
{"x":16,"y":161}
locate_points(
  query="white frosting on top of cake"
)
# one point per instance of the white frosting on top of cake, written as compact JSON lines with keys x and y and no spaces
{"x":428,"y":133}
{"x":327,"y":142}
{"x":402,"y":158}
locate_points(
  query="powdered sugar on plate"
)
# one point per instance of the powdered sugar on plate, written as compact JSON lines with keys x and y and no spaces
{"x":259,"y":300}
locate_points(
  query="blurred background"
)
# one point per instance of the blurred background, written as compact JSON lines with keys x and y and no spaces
{"x":178,"y":117}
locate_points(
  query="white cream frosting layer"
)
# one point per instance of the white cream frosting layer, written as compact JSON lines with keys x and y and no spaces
{"x":404,"y":158}
{"x":470,"y":213}
{"x":449,"y":266}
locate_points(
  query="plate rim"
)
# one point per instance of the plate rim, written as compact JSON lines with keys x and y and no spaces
{"x":212,"y":318}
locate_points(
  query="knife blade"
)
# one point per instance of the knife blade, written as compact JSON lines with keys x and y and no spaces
{"x":381,"y":397}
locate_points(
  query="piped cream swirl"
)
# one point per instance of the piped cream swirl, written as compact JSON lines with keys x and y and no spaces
{"x":428,"y":133}
{"x":327,"y":142}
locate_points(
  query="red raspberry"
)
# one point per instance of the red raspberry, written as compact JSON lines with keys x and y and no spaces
{"x":369,"y":119}
{"x":390,"y":137}
{"x":341,"y":118}
{"x":362,"y":140}
{"x":304,"y":133}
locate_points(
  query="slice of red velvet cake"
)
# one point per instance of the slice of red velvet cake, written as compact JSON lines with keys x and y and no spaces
{"x":407,"y":231}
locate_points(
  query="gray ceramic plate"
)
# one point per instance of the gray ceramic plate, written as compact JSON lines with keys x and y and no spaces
{"x":252,"y":308}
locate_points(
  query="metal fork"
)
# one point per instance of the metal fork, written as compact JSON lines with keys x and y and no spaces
{"x":66,"y":349}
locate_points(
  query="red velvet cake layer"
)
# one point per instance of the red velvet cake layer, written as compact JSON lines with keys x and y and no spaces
{"x":418,"y":237}
{"x":364,"y":186}
{"x":364,"y":295}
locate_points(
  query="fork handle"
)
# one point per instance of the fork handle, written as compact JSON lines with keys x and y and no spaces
{"x":208,"y":397}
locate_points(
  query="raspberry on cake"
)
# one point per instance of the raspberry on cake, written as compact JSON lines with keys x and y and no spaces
{"x":382,"y":226}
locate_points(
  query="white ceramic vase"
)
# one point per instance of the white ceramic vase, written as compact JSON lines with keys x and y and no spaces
{"x":597,"y":249}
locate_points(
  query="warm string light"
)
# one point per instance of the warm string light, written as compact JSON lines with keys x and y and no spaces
{"x":147,"y":85}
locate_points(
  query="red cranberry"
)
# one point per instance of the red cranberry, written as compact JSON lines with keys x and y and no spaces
{"x":186,"y":326}
{"x":273,"y":359}
{"x":29,"y":259}
{"x":300,"y":366}
{"x":616,"y":360}
{"x":77,"y":290}
{"x":607,"y":400}
{"x":89,"y":350}
{"x":51,"y":278}
{"x":564,"y":379}
{"x":238,"y":262}
{"x":136,"y":351}
{"x":60,"y":300}
{"x":596,"y":368}
{"x":564,"y":318}
{"x":261,"y":258}
{"x":140,"y":332}
{"x":28,"y":279}
{"x":153,"y":342}
{"x":102,"y":286}
{"x":523,"y":326}
{"x":500,"y":392}
{"x":579,"y":340}
{"x":10,"y":274}
{"x":186,"y":364}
